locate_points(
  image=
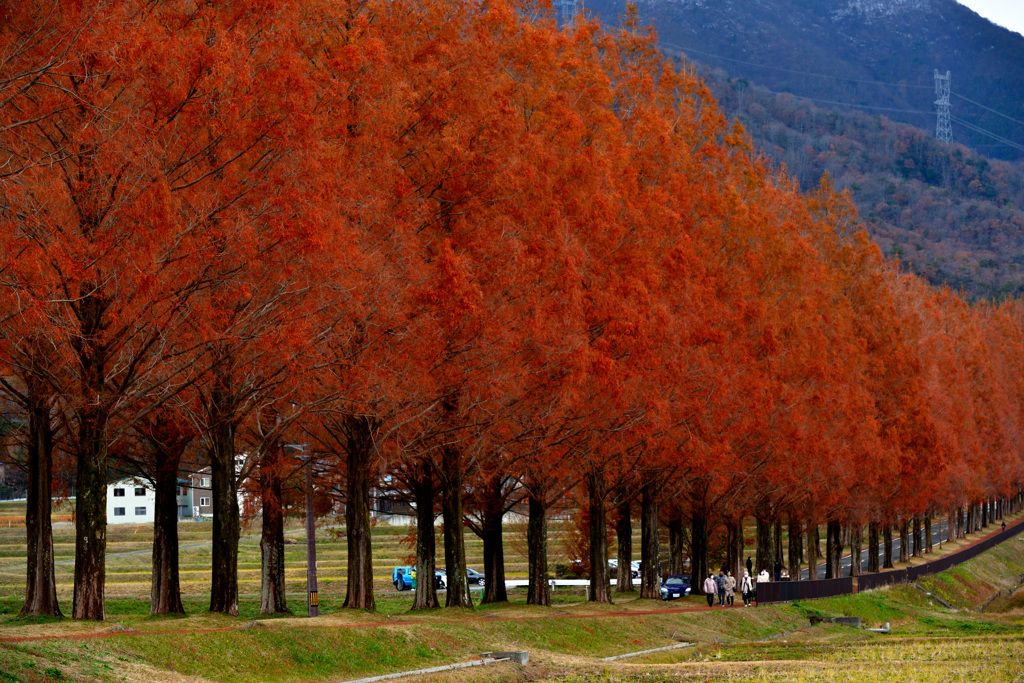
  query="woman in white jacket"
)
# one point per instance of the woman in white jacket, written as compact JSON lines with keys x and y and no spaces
{"x":710,"y":589}
{"x":746,"y":588}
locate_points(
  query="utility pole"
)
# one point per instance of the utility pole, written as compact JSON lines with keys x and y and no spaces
{"x":567,"y":11}
{"x":943,"y":127}
{"x":313,"y":602}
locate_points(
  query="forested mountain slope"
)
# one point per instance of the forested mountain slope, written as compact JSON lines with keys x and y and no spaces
{"x":952,"y":213}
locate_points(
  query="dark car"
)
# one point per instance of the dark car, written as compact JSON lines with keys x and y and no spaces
{"x":675,"y":586}
{"x":473,"y":576}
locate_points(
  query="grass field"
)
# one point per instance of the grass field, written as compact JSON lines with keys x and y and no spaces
{"x":566,"y":642}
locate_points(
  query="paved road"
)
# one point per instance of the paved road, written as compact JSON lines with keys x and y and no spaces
{"x":939,"y":534}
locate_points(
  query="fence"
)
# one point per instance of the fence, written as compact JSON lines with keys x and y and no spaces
{"x":788,"y":591}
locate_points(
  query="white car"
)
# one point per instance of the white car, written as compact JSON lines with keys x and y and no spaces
{"x":634,"y":567}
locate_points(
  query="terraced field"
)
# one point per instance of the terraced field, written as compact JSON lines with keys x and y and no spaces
{"x":129,"y":548}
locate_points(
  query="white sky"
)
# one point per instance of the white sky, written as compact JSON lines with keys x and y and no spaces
{"x":1007,"y":13}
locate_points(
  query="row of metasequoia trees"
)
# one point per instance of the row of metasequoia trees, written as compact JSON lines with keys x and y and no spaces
{"x":453,"y":253}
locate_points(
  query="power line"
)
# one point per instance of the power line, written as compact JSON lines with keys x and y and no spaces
{"x":979,"y":104}
{"x":981,"y":131}
{"x":794,"y":71}
{"x":862,"y":106}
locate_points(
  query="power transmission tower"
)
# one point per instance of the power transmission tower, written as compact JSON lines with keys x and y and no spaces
{"x":567,"y":11}
{"x":943,"y":128}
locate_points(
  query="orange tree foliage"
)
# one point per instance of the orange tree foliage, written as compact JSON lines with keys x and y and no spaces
{"x":451,"y":233}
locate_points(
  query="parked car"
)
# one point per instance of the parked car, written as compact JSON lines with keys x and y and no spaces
{"x":472,"y":576}
{"x":675,"y":586}
{"x":405,"y":579}
{"x":634,"y":567}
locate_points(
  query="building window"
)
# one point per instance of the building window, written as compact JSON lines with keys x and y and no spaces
{"x":119,"y":512}
{"x":204,"y":501}
{"x":119,"y":493}
{"x":139,"y":491}
{"x":140,"y":511}
{"x":205,"y":482}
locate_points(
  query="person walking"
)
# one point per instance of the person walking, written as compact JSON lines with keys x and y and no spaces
{"x":720,"y":584}
{"x":710,"y":588}
{"x":747,"y":588}
{"x":730,"y":587}
{"x":750,"y":566}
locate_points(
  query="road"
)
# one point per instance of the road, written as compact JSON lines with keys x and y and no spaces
{"x":939,"y":535}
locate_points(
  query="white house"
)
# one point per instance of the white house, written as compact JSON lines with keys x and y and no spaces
{"x":133,"y":501}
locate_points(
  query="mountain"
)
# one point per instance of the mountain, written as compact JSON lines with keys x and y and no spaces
{"x":878,"y":54}
{"x":953,"y":213}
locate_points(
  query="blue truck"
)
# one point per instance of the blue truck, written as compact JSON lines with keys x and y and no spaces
{"x":404,"y":579}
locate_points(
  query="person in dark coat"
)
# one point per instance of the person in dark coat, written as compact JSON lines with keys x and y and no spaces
{"x":720,"y":585}
{"x":750,"y":566}
{"x":778,"y":571}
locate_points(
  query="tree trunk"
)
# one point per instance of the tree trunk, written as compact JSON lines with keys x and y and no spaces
{"x":90,"y":516}
{"x":813,"y":551}
{"x":734,"y":548}
{"x":426,"y":544}
{"x":984,"y":513}
{"x":887,"y":541}
{"x":650,"y":560}
{"x":538,"y":592}
{"x":454,"y":531}
{"x":165,"y":590}
{"x":856,"y":540}
{"x":676,"y":543}
{"x":224,"y":485}
{"x":41,"y":582}
{"x":833,"y":550}
{"x":624,"y":536}
{"x":904,"y":541}
{"x":960,"y":527}
{"x":272,"y":585}
{"x":764,"y":545}
{"x":359,"y":453}
{"x":698,"y":552}
{"x":777,"y":555}
{"x":795,"y":547}
{"x":599,"y":586}
{"x":928,"y":533}
{"x":918,"y":550}
{"x":873,"y":547}
{"x":494,"y":544}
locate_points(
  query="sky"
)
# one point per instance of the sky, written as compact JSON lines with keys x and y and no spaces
{"x":1007,"y":13}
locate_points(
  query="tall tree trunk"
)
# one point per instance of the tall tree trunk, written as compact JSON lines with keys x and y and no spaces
{"x":624,"y":536}
{"x":904,"y":541}
{"x":676,"y":543}
{"x":777,"y":555}
{"x":224,"y":485}
{"x":833,"y":550}
{"x":91,"y":516}
{"x":960,"y":526}
{"x":873,"y":547}
{"x":599,"y":585}
{"x":856,"y":540}
{"x":273,"y":599}
{"x":698,"y":551}
{"x":494,"y":544}
{"x":650,"y":560}
{"x":795,"y":547}
{"x":454,"y":532}
{"x":41,"y":582}
{"x":928,"y":533}
{"x":764,"y":545}
{"x":918,"y":549}
{"x":734,"y":548}
{"x":984,"y":513}
{"x":813,"y":551}
{"x":887,"y":542}
{"x":359,"y":453}
{"x":165,"y":590}
{"x":538,"y":592}
{"x":426,"y":544}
